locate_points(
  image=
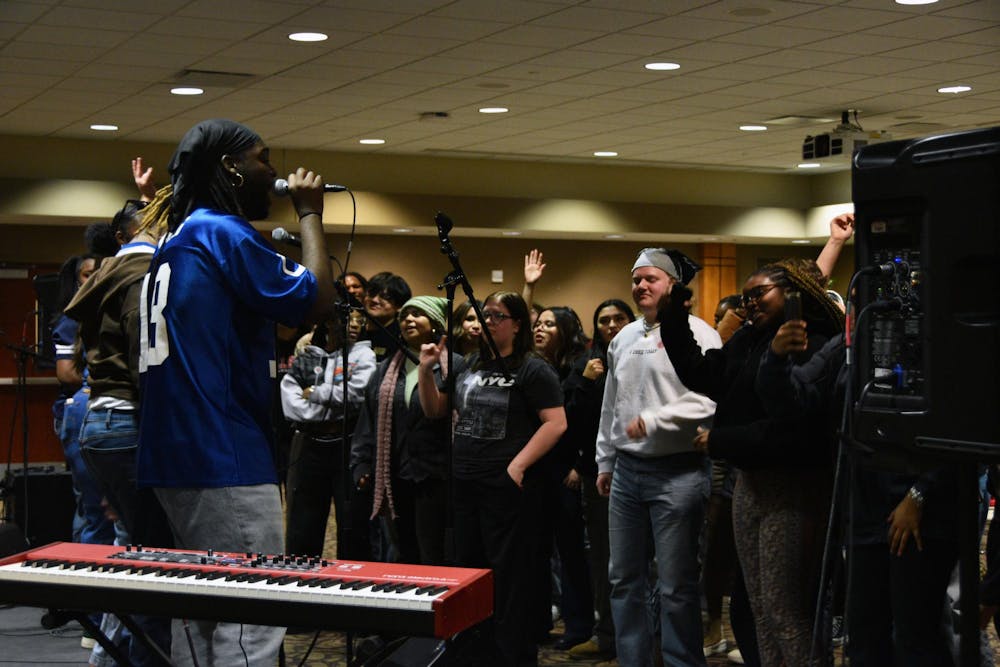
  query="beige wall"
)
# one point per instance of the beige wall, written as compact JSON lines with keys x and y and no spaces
{"x":580,"y":273}
{"x":51,"y":188}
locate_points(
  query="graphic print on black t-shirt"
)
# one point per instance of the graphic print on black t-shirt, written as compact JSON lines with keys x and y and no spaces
{"x":485,"y":396}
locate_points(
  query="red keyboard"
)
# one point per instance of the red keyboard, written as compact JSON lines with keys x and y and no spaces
{"x":250,"y":588}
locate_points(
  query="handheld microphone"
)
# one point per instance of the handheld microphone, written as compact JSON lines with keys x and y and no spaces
{"x":281,"y":187}
{"x":282,"y":235}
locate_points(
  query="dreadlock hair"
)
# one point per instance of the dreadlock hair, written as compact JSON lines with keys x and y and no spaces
{"x":523,"y":345}
{"x":154,"y":218}
{"x":817,"y":308}
{"x":572,"y":342}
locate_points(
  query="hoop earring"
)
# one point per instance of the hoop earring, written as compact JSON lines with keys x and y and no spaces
{"x":240,"y":176}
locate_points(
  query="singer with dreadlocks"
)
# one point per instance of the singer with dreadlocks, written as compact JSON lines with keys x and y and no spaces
{"x":210,"y":300}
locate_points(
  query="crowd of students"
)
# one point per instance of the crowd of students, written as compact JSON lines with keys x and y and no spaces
{"x":585,"y":468}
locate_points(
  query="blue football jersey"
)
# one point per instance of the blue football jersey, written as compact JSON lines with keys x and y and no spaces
{"x":209,"y":302}
{"x":63,"y":339}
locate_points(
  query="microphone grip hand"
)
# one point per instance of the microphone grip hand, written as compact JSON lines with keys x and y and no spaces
{"x":306,"y":191}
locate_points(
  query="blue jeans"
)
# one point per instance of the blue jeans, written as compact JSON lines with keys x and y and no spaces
{"x":90,"y":525}
{"x":664,"y":498}
{"x":108,"y":440}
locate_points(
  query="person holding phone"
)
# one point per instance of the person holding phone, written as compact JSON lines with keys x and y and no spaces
{"x":398,"y":452}
{"x":782,"y":490}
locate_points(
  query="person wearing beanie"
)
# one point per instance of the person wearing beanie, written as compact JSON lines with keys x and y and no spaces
{"x":399,"y":454}
{"x":657,"y":482}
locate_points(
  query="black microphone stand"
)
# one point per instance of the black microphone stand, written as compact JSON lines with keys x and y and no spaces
{"x":451,"y":280}
{"x":22,"y":353}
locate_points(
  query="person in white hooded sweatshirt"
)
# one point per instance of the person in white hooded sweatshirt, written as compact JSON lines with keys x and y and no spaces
{"x":658,"y":483}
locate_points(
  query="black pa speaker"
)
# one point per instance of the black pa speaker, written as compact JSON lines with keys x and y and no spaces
{"x":49,"y":504}
{"x":926,"y":373}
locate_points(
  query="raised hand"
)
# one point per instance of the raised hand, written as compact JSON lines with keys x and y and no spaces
{"x":430,"y":353}
{"x":143,"y":180}
{"x":842,"y":227}
{"x":533,"y":267}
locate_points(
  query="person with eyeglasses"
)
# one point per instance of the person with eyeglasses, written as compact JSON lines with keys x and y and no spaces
{"x":510,"y":415}
{"x":560,"y":340}
{"x":783,"y":486}
{"x":657,"y":482}
{"x":385,"y":294}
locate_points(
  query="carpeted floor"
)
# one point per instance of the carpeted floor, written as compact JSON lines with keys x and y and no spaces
{"x":330,"y":648}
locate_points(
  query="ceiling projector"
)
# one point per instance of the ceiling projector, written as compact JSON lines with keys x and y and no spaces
{"x":840,"y":144}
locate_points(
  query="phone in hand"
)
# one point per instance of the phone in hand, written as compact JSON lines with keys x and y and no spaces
{"x":793,"y":306}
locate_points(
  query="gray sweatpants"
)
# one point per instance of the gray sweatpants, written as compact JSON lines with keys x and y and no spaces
{"x":236,"y":519}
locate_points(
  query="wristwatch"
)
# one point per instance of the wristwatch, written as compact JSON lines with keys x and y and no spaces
{"x":307,"y":392}
{"x":916,"y":496}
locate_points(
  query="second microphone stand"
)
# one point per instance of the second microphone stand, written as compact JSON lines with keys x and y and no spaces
{"x":454,"y":278}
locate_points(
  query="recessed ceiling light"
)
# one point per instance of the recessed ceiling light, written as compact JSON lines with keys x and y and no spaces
{"x":186,"y":90}
{"x":494,"y":110}
{"x":809,"y":165}
{"x":753,"y":128}
{"x":511,"y":233}
{"x":403,"y":230}
{"x":955,"y":89}
{"x":801,"y":241}
{"x":614,"y":236}
{"x":372,"y":142}
{"x":605,"y":154}
{"x":307,"y":37}
{"x":104,"y":128}
{"x":662,"y":67}
{"x":915,"y":2}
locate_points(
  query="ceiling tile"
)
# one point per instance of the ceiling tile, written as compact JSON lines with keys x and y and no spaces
{"x":930,"y":27}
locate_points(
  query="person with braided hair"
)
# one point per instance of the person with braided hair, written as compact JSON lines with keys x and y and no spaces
{"x":214,"y":291}
{"x":107,"y":308}
{"x":783,"y":488}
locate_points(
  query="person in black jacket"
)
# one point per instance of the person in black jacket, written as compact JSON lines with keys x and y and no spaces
{"x":584,"y":390}
{"x":400,"y":453}
{"x":903,"y":535}
{"x":782,"y":491}
{"x":559,"y":339}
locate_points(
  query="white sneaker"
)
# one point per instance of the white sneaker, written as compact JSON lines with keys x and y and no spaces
{"x":735,"y":657}
{"x":716,"y":648}
{"x":87,"y":642}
